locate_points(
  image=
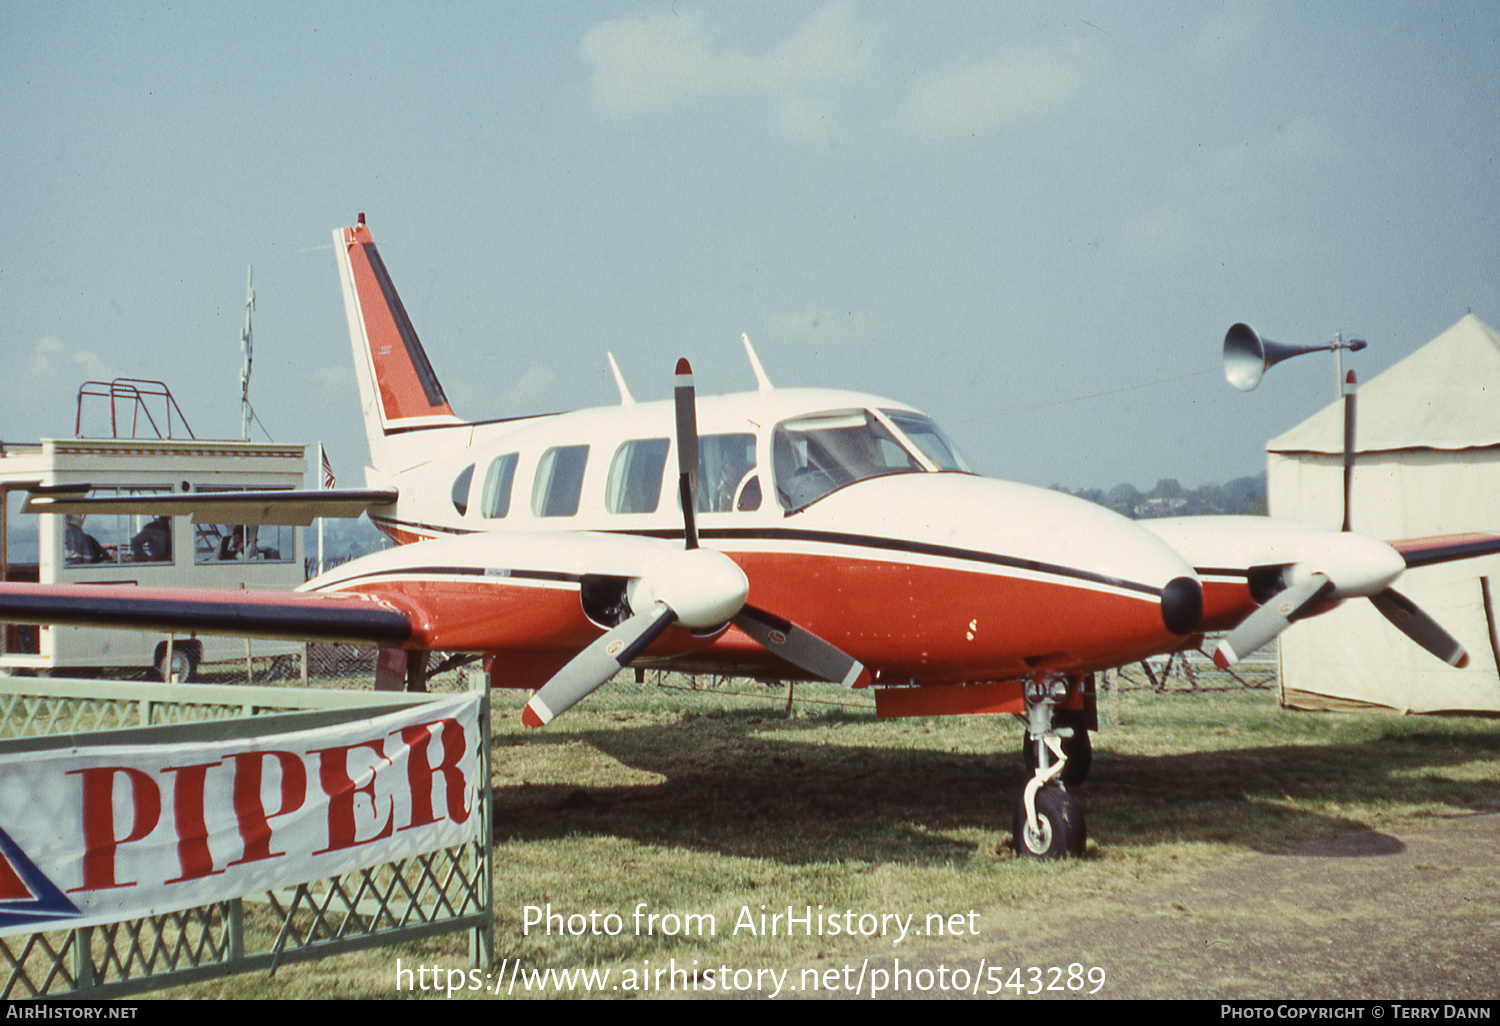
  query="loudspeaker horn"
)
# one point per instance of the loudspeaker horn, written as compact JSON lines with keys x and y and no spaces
{"x":1247,"y":355}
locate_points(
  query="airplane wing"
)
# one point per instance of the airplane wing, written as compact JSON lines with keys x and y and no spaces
{"x":1292,"y":570}
{"x":298,"y":507}
{"x":304,"y":616}
{"x":1445,"y":548}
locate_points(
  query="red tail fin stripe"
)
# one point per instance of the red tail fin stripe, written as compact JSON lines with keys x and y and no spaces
{"x":407,"y":385}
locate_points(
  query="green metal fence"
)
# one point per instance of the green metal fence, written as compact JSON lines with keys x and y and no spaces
{"x":393,"y":902}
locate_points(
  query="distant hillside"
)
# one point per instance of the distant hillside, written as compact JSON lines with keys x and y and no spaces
{"x":1243,"y":495}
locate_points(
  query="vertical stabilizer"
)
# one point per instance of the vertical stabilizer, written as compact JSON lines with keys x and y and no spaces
{"x":398,"y":389}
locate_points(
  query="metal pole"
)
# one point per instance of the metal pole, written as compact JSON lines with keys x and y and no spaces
{"x":247,"y":346}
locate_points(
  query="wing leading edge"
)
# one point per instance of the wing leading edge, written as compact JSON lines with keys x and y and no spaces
{"x":1445,"y":548}
{"x":302,"y":616}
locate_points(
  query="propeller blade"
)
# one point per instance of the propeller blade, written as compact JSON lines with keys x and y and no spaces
{"x":589,"y":669}
{"x":687,"y":452}
{"x":1263,"y":625}
{"x":1419,"y":627}
{"x":802,"y":648}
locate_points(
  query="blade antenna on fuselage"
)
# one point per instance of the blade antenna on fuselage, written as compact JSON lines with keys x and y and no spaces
{"x":626,"y":399}
{"x":762,"y":383}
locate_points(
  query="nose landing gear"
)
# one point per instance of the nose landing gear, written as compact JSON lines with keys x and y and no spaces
{"x":1048,"y":822}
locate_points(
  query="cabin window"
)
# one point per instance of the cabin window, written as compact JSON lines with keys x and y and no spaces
{"x":559,"y":481}
{"x":726,"y":473}
{"x":815,"y":455}
{"x":495,"y":499}
{"x":635,"y":476}
{"x":928,"y":437}
{"x":461,"y":489}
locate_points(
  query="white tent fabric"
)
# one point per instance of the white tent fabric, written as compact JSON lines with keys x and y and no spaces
{"x":1427,"y":440}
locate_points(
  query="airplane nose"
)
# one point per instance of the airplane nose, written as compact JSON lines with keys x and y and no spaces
{"x":1182,"y":605}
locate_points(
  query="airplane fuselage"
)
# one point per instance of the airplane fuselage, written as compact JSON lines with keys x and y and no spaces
{"x":849,"y":514}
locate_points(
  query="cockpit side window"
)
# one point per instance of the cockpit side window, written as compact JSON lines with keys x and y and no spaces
{"x":815,"y":455}
{"x":928,"y":437}
{"x":727,"y":480}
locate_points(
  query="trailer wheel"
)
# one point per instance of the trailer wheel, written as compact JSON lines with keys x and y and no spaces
{"x":184,"y":662}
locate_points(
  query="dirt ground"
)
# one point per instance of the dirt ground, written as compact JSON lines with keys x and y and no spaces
{"x":1365,"y":916}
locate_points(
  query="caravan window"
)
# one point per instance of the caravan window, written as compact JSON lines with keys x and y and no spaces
{"x":247,"y":543}
{"x":110,"y":539}
{"x":242,"y":543}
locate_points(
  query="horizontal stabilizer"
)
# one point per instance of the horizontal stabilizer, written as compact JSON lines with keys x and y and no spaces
{"x":241,"y":507}
{"x":299,"y":616}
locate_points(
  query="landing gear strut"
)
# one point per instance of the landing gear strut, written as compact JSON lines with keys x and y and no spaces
{"x":1048,"y":823}
{"x":1078,"y":750}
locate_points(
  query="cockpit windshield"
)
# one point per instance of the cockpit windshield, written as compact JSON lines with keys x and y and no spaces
{"x":816,"y":454}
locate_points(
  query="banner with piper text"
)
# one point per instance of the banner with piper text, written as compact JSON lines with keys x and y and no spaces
{"x":94,"y":835}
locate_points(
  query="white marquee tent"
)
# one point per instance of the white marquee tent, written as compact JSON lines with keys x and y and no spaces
{"x":1428,"y":463}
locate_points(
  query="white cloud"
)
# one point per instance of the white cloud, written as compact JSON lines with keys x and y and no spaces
{"x":651,"y":62}
{"x":658,"y":62}
{"x":829,"y":75}
{"x":44,"y":385}
{"x":1004,"y":86}
{"x":53,"y":361}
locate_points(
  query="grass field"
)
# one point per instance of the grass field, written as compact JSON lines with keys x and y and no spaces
{"x":698,"y":805}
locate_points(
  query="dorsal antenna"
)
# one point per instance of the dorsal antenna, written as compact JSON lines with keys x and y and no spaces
{"x":626,"y":399}
{"x":762,"y":383}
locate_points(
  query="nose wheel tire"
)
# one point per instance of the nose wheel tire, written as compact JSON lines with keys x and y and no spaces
{"x":1059,"y":831}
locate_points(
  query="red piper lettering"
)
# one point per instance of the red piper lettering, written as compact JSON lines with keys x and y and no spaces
{"x":193,"y":856}
{"x":333,"y":774}
{"x":249,"y":810}
{"x":419,"y":773}
{"x":99,"y":839}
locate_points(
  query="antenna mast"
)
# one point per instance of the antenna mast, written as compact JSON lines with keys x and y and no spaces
{"x":247,"y":346}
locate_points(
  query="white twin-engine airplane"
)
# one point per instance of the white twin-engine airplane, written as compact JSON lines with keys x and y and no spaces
{"x":806,"y":534}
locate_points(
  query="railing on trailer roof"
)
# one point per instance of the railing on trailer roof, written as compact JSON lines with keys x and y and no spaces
{"x":137,"y":392}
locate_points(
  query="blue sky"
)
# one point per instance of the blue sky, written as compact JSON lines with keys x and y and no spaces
{"x":984,"y":209}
